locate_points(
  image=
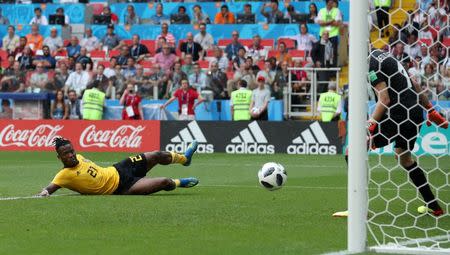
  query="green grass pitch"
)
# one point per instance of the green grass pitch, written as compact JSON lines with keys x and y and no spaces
{"x":228,"y":213}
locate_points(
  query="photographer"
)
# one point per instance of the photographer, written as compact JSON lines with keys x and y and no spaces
{"x":132,"y":104}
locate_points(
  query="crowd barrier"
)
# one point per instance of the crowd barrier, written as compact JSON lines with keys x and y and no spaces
{"x":242,"y":137}
{"x":23,"y":13}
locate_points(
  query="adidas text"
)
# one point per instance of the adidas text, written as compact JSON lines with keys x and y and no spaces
{"x":182,"y":147}
{"x":315,"y":149}
{"x":250,"y":148}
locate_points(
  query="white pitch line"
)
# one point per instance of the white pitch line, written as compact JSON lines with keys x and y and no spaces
{"x":30,"y":197}
{"x":336,"y":253}
{"x":425,"y":240}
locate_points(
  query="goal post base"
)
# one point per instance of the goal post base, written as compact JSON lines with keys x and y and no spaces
{"x":392,"y":249}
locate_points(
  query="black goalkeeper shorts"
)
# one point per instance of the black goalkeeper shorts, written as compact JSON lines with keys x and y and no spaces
{"x":404,"y":134}
{"x":130,"y":171}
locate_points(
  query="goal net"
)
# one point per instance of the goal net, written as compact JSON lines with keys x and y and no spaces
{"x":420,"y":40}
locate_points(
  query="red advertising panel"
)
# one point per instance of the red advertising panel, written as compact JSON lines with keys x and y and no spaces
{"x":104,"y":135}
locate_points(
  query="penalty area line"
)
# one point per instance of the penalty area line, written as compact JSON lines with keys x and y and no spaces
{"x":31,"y":197}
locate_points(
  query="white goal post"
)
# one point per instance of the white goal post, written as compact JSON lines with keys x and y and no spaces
{"x":431,"y":235}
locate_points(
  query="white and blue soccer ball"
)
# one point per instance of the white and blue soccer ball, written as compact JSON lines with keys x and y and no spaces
{"x":272,"y":176}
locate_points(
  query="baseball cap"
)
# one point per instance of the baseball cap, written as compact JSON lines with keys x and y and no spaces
{"x":261,"y":78}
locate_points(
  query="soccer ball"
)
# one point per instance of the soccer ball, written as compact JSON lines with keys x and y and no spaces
{"x":272,"y":176}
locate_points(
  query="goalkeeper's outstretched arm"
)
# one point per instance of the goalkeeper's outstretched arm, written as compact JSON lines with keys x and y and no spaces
{"x":50,"y":189}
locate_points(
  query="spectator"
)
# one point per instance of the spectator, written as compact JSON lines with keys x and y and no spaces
{"x":199,"y":17}
{"x":73,"y":106}
{"x":90,"y":42}
{"x":110,"y":71}
{"x":10,"y":41}
{"x":131,"y":18}
{"x":186,"y":101}
{"x":382,"y":8}
{"x":330,"y":104}
{"x":412,"y":48}
{"x":189,"y":46}
{"x":224,"y":16}
{"x":60,"y":12}
{"x":93,"y":103}
{"x":330,"y":20}
{"x":170,"y":39}
{"x":240,"y":102}
{"x":323,"y":52}
{"x":39,"y":80}
{"x":22,"y":44}
{"x":414,"y":71}
{"x":34,"y":39}
{"x":182,"y":17}
{"x":124,"y":55}
{"x":430,"y":81}
{"x":159,"y":17}
{"x":141,"y":80}
{"x":26,"y":59}
{"x":280,"y":81}
{"x":245,"y":73}
{"x":312,"y":13}
{"x":254,"y":68}
{"x":77,"y":80}
{"x":131,"y":101}
{"x":10,"y":66}
{"x":275,"y":15}
{"x":220,"y":58}
{"x":283,"y":54}
{"x":74,"y":48}
{"x":117,"y":82}
{"x":47,"y":60}
{"x":197,"y":79}
{"x":6,"y":110}
{"x":71,"y":64}
{"x":85,"y":60}
{"x":130,"y":70}
{"x":59,"y":109}
{"x":256,"y":50}
{"x":3,"y":20}
{"x":160,"y":43}
{"x":400,"y":55}
{"x":107,"y":12}
{"x":232,"y":49}
{"x":99,"y":76}
{"x":425,"y":32}
{"x":138,"y":51}
{"x":203,"y":38}
{"x":240,"y":59}
{"x":260,"y":101}
{"x":304,"y":40}
{"x":216,"y":81}
{"x":110,"y":40}
{"x":268,"y":73}
{"x":290,"y":13}
{"x":156,"y":78}
{"x":166,"y":59}
{"x":38,"y":18}
{"x":177,"y":76}
{"x":248,"y":9}
{"x":188,"y":65}
{"x":54,"y":42}
{"x":61,"y":76}
{"x":423,"y":5}
{"x":13,"y":79}
{"x":444,"y":90}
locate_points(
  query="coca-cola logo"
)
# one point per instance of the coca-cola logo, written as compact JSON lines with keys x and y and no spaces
{"x":125,"y":136}
{"x":40,"y":136}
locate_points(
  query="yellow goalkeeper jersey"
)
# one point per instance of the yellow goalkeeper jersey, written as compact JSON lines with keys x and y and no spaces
{"x":88,"y":178}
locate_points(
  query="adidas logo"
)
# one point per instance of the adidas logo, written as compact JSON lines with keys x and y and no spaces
{"x":312,"y":141}
{"x":180,"y":142}
{"x":250,"y":140}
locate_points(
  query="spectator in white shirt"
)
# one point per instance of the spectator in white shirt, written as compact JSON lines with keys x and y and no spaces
{"x":54,"y":42}
{"x":90,"y":42}
{"x":256,"y":50}
{"x":425,"y":33}
{"x":304,"y":40}
{"x":38,"y":18}
{"x":203,"y":38}
{"x":111,"y":71}
{"x":221,"y":59}
{"x":198,"y":79}
{"x":77,"y":80}
{"x":412,"y":48}
{"x":10,"y":40}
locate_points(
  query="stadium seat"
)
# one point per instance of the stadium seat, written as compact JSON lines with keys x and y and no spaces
{"x":210,"y":53}
{"x":260,"y":64}
{"x":128,"y":42}
{"x":105,"y":63}
{"x":150,"y":44}
{"x":113,"y":53}
{"x":222,"y":43}
{"x":61,"y":54}
{"x":428,"y":42}
{"x":290,"y":44}
{"x":446,"y":41}
{"x":246,"y":42}
{"x":204,"y":64}
{"x":272,"y":53}
{"x":4,"y":63}
{"x":3,"y":55}
{"x":146,"y":64}
{"x":66,"y":42}
{"x":267,"y":43}
{"x":98,"y":54}
{"x":297,"y":53}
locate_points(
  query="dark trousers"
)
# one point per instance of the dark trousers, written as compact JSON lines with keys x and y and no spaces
{"x":382,"y":16}
{"x":263,"y":116}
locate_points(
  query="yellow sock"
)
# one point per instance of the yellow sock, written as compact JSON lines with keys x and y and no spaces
{"x":177,"y":182}
{"x":178,"y":158}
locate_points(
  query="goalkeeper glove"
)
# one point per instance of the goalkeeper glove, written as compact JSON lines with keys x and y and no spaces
{"x":434,"y":116}
{"x":372,"y":129}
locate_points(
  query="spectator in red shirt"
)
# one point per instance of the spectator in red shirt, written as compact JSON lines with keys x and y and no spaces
{"x":132,"y":108}
{"x":186,"y":101}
